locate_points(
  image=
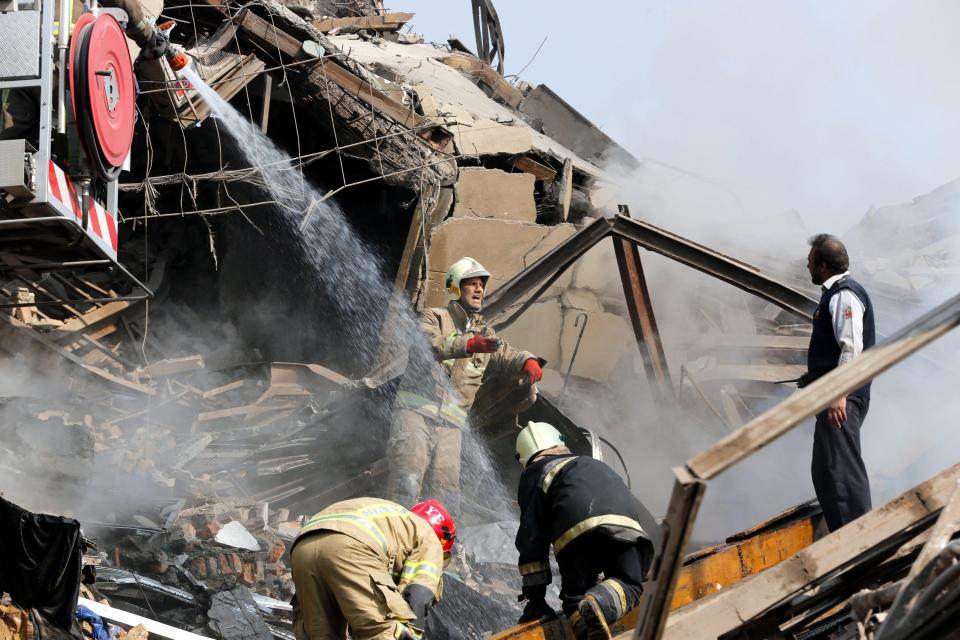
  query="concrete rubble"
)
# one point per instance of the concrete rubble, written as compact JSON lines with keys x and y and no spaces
{"x":191,"y":431}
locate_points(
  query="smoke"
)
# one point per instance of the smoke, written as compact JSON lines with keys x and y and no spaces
{"x":906,"y":255}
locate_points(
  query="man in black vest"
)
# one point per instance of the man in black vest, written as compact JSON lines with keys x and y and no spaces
{"x":843,"y":326}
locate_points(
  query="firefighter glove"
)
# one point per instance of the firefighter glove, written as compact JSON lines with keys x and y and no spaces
{"x":156,"y":46}
{"x":482,"y":344}
{"x":420,"y":600}
{"x":531,"y":369}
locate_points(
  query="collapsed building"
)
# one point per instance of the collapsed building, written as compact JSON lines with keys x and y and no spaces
{"x":190,"y":395}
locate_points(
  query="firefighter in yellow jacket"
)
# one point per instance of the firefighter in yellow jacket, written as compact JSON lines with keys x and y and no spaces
{"x":440,"y":384}
{"x":369,"y":565}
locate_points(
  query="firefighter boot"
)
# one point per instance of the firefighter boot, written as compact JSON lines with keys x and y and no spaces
{"x":579,"y":625}
{"x":606,"y":603}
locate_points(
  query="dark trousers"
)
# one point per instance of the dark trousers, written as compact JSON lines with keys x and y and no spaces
{"x":583,"y":560}
{"x":839,"y":475}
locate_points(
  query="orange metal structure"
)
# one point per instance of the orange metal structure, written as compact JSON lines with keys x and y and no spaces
{"x":708,"y":570}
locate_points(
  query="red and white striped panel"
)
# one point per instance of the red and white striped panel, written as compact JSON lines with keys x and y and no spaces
{"x":101,"y":224}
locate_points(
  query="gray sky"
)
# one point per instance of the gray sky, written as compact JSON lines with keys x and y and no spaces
{"x":824,"y":107}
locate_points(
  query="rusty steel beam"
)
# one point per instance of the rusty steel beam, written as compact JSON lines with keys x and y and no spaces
{"x":715,"y":264}
{"x":640,"y":307}
{"x":548,"y":268}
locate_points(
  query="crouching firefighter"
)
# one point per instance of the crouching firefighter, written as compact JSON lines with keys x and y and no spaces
{"x":372,"y":566}
{"x":596,"y":526}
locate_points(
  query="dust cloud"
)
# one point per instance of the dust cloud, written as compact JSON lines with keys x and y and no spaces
{"x":908,"y":433}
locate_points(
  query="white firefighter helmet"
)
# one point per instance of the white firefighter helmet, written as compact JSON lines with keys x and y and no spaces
{"x":460,"y":270}
{"x":534,"y":438}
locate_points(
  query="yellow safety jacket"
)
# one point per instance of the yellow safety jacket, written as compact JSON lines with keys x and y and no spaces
{"x":410,"y":549}
{"x":446,"y":393}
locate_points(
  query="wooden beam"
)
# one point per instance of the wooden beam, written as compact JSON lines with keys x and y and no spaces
{"x":662,"y":581}
{"x":265,"y":111}
{"x":947,"y":524}
{"x":483,"y":72}
{"x":728,"y":609}
{"x":366,"y":92}
{"x":808,"y":401}
{"x":18,"y":339}
{"x":386,"y":22}
{"x":531,"y":166}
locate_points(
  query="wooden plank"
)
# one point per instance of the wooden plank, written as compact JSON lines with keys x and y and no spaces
{"x":483,"y":72}
{"x":265,"y":111}
{"x":18,"y":339}
{"x":947,"y":524}
{"x":365,"y":92}
{"x":267,"y":36}
{"x":94,"y":317}
{"x":816,"y":397}
{"x":236,"y":384}
{"x":753,"y":372}
{"x":662,"y":581}
{"x":728,"y":609}
{"x":531,"y":166}
{"x":386,"y":22}
{"x":171,"y":366}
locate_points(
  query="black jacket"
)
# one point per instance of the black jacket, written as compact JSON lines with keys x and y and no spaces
{"x":561,"y":498}
{"x":824,"y":351}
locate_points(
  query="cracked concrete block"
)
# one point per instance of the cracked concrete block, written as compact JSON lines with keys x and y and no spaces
{"x":492,"y":193}
{"x":597,"y":271}
{"x":504,"y":247}
{"x":582,"y":299}
{"x":605,"y":340}
{"x":537,"y":330}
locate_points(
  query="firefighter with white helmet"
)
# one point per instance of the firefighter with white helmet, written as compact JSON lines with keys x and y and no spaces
{"x":440,"y":385}
{"x":596,"y":526}
{"x":372,"y":566}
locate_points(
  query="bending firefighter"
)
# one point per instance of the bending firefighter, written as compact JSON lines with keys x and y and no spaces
{"x":596,"y":526}
{"x":371,"y":566}
{"x":434,"y":399}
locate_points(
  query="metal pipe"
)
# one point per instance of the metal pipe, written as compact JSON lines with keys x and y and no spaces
{"x":76,"y":264}
{"x":63,"y":38}
{"x":47,"y":303}
{"x":576,"y":323}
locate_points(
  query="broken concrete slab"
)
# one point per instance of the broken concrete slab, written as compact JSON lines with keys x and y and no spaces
{"x":234,"y":534}
{"x":537,"y":330}
{"x":492,"y":193}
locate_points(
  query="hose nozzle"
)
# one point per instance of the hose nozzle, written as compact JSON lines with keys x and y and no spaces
{"x":177,"y":59}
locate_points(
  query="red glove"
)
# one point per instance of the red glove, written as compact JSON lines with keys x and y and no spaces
{"x":481,"y":344}
{"x":533,"y":371}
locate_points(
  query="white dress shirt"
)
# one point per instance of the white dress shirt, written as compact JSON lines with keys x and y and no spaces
{"x":846,"y":311}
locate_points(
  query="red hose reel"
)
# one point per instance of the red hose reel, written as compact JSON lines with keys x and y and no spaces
{"x":102,"y":88}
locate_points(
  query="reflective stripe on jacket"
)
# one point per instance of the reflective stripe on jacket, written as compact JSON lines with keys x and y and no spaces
{"x":562,"y":497}
{"x":446,"y":393}
{"x":408,"y":546}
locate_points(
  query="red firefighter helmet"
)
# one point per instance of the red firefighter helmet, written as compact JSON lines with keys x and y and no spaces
{"x":439,"y":518}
